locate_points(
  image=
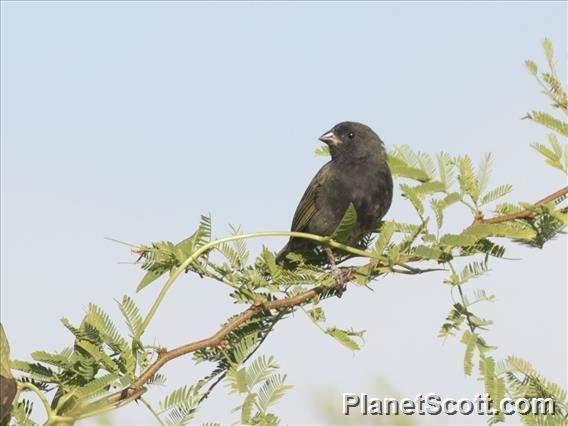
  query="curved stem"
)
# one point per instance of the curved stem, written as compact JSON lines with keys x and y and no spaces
{"x":52,"y":418}
{"x":40,"y":394}
{"x":204,"y":249}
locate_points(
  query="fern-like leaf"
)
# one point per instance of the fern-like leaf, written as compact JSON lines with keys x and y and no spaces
{"x":272,"y":390}
{"x":347,"y":223}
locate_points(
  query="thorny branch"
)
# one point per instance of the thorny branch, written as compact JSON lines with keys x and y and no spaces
{"x":523,"y":214}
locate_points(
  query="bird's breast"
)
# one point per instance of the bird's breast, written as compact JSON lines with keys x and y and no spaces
{"x":369,"y":188}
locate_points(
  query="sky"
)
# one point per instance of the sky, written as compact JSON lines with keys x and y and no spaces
{"x":130,"y":119}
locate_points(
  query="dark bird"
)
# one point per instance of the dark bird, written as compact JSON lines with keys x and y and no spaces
{"x":357,"y":173}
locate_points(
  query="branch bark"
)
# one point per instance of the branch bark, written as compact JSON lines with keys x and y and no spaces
{"x":524,"y":214}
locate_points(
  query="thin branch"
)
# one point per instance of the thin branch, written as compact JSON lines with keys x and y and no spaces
{"x":523,"y":214}
{"x":263,"y":338}
{"x":34,"y":389}
{"x":165,"y":356}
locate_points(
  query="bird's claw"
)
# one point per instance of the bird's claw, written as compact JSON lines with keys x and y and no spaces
{"x":339,"y":275}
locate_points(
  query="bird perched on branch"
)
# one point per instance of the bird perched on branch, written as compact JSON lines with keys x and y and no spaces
{"x":357,"y":173}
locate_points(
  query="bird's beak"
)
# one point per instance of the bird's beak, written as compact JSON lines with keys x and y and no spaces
{"x":330,"y":138}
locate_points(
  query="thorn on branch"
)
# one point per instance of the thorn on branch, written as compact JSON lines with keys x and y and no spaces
{"x":138,"y":250}
{"x":257,"y":305}
{"x":224,"y":344}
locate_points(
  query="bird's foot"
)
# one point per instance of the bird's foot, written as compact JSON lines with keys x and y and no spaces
{"x":338,"y":274}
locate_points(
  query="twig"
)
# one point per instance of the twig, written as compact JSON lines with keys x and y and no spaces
{"x":263,"y":338}
{"x":523,"y":214}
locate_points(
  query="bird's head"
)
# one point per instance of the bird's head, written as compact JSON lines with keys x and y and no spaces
{"x":353,"y":141}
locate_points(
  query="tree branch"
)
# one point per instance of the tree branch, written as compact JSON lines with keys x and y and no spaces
{"x":164,"y":356}
{"x":523,"y":214}
{"x":137,"y":387}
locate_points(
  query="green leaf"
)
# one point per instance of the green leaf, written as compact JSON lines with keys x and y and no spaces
{"x":466,"y":178}
{"x":99,"y":356}
{"x":531,"y":66}
{"x":556,"y":155}
{"x":344,"y":337}
{"x":472,"y":270}
{"x":481,"y":295}
{"x":235,"y":251}
{"x":409,"y":172}
{"x":60,"y":360}
{"x":460,"y":240}
{"x":438,"y":206}
{"x":496,"y":193}
{"x":445,"y":170}
{"x":470,"y":340}
{"x":484,"y":173}
{"x":482,"y":230}
{"x":237,"y":380}
{"x":428,"y":252}
{"x":317,"y":314}
{"x":4,"y":354}
{"x":455,"y":319}
{"x":157,"y":379}
{"x":347,"y":223}
{"x":131,"y":314}
{"x":181,"y":403}
{"x":103,"y":324}
{"x":385,"y":235}
{"x":494,"y":385}
{"x":271,"y":391}
{"x":430,"y":187}
{"x":403,"y":162}
{"x":164,"y":256}
{"x":259,"y":370}
{"x":148,"y":279}
{"x":96,"y":387}
{"x":414,"y":197}
{"x":487,"y":370}
{"x":451,"y":198}
{"x":426,"y":164}
{"x":246,"y":408}
{"x":21,"y":413}
{"x":548,"y":50}
{"x":549,"y":121}
{"x":35,"y":370}
{"x":323,"y":151}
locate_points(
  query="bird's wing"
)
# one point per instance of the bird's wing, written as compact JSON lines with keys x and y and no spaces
{"x":308,"y":205}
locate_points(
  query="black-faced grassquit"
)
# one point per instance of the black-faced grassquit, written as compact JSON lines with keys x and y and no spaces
{"x":357,"y":173}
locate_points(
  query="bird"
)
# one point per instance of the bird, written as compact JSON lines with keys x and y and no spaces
{"x":357,"y":173}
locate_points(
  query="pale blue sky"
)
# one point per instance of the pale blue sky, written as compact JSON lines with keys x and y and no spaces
{"x":129,"y":119}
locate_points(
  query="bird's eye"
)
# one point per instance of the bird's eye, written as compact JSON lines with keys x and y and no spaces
{"x":351,"y":135}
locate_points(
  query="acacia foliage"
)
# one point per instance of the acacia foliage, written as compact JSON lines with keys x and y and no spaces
{"x":82,"y":380}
